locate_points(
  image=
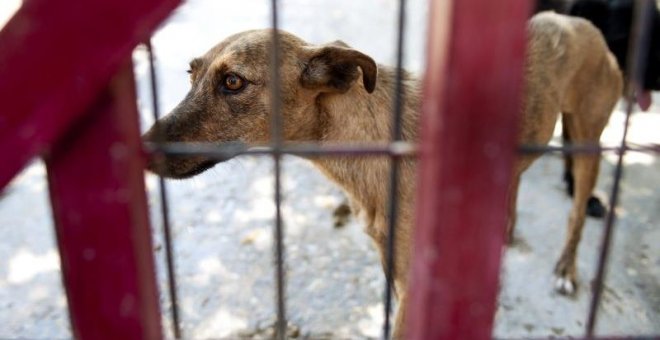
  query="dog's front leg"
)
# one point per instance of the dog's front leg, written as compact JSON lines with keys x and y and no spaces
{"x":512,"y":206}
{"x":399,"y":286}
{"x":400,"y":320}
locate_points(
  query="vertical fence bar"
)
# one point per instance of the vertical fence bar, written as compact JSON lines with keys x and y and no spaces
{"x":276,"y":143}
{"x":164,"y":205}
{"x":394,"y":169}
{"x":99,"y":206}
{"x":469,"y":127}
{"x":639,"y":44}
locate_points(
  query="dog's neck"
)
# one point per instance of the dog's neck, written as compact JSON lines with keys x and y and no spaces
{"x":357,"y":117}
{"x":360,"y":117}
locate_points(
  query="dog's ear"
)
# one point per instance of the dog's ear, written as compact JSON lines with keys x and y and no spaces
{"x":334,"y":68}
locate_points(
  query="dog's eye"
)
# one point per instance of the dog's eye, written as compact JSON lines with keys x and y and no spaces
{"x":232,"y":84}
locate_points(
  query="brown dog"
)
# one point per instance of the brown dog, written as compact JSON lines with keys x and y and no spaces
{"x":569,"y":70}
{"x":335,"y":94}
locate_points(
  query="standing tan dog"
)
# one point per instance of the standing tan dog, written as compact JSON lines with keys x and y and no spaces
{"x":332,"y":93}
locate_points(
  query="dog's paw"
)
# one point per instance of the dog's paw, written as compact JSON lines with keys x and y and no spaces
{"x":596,"y":208}
{"x":565,"y":275}
{"x":565,"y":286}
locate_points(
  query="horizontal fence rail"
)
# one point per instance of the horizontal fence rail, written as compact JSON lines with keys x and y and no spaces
{"x":400,"y":149}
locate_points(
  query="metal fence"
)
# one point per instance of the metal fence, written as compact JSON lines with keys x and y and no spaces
{"x":97,"y":283}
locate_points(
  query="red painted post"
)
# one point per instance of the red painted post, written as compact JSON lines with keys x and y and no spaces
{"x":55,"y":57}
{"x":99,"y":205}
{"x":471,"y":104}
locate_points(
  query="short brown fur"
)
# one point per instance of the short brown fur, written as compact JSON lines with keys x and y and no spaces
{"x":326,"y":99}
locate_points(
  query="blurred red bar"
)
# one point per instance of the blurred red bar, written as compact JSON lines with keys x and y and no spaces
{"x":471,"y":103}
{"x":55,"y":57}
{"x":99,"y":207}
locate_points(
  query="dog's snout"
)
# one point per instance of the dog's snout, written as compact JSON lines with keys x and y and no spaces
{"x":163,"y":130}
{"x":153,"y":135}
{"x":179,"y":126}
{"x":155,"y":162}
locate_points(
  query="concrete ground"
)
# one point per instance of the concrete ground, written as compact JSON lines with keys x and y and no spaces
{"x":222,"y":220}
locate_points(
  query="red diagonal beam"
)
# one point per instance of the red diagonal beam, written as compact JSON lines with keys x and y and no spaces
{"x":471,"y":104}
{"x":55,"y":56}
{"x":100,"y":213}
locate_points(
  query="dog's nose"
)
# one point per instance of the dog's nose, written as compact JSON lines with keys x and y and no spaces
{"x":155,"y":161}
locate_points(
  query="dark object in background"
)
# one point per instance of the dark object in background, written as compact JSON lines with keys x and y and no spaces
{"x":614,"y":19}
{"x":559,"y":6}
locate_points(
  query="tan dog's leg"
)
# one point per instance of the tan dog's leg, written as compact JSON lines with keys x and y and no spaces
{"x":400,"y":319}
{"x":595,"y":208}
{"x":513,"y":202}
{"x":399,"y":286}
{"x":380,"y":241}
{"x":585,"y":170}
{"x":398,"y":291}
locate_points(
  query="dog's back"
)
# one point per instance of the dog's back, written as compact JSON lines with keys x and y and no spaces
{"x":569,"y":70}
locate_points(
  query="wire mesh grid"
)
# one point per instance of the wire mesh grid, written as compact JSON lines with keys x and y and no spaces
{"x":395,"y":150}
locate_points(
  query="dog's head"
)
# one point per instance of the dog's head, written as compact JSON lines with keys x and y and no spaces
{"x":230,"y":95}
